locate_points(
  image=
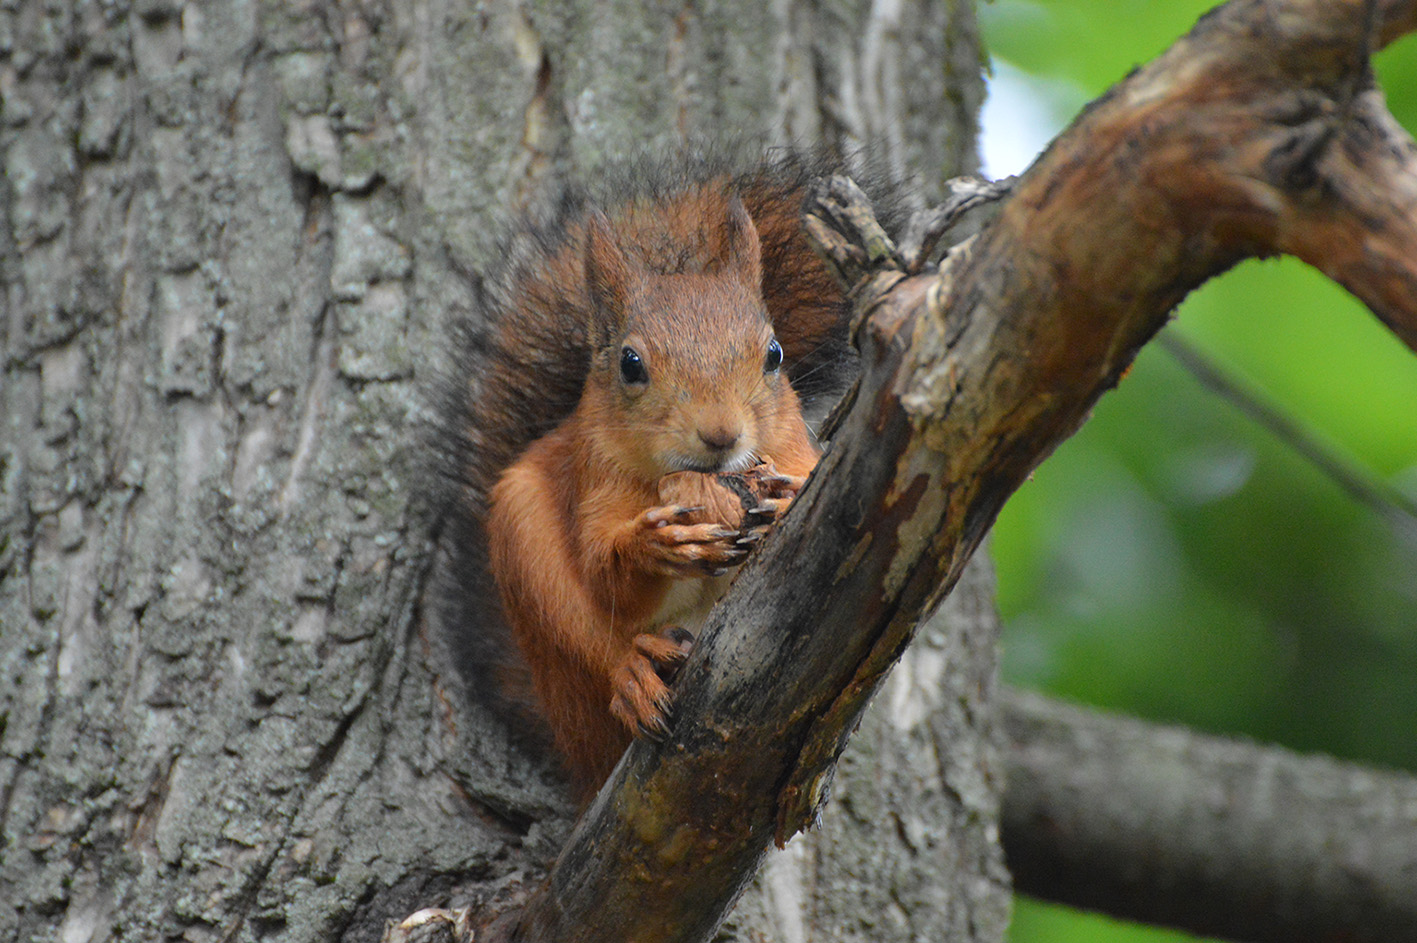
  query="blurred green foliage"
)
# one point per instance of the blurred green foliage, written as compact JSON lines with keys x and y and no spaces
{"x":1176,"y":561}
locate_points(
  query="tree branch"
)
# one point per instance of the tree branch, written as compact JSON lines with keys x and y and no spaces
{"x":1236,"y":142}
{"x":1215,"y":836}
{"x":1386,"y":501}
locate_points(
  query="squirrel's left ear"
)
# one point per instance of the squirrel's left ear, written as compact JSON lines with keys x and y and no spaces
{"x":614,"y":282}
{"x":742,"y":253}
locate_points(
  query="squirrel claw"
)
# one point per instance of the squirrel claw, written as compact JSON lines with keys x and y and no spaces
{"x":768,"y":509}
{"x":685,"y":549}
{"x":642,"y":701}
{"x":764,"y":514}
{"x":780,"y":485}
{"x":730,"y":560}
{"x":657,"y":730}
{"x":669,"y":513}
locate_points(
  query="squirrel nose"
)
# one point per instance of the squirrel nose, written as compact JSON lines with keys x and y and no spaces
{"x":719,"y":438}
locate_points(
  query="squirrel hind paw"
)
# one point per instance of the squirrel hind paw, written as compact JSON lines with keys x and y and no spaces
{"x":667,"y":650}
{"x":641,"y":700}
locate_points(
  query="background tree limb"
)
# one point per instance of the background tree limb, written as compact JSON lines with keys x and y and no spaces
{"x":1217,"y":836}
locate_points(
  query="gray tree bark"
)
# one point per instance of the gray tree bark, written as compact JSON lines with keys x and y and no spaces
{"x":232,"y":232}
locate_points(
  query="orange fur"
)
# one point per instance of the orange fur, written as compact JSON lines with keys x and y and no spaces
{"x":591,"y":567}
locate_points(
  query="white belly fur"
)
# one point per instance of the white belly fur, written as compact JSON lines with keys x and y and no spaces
{"x":689,"y":601}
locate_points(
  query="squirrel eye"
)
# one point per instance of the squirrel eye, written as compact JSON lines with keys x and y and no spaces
{"x":632,"y":368}
{"x":774,"y":358}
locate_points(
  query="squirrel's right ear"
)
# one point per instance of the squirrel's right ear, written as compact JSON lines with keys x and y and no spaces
{"x":743,"y":252}
{"x":612,"y":280}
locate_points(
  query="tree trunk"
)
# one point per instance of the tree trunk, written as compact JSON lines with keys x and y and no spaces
{"x":233,"y":231}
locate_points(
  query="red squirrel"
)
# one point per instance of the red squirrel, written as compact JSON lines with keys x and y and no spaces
{"x":626,"y":341}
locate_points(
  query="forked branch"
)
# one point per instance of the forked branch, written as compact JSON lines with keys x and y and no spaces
{"x":1258,"y":133}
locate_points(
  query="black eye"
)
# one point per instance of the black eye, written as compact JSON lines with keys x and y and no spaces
{"x":632,"y":368}
{"x":774,"y":358}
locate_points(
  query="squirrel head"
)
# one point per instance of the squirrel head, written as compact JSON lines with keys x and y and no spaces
{"x":686,"y":373}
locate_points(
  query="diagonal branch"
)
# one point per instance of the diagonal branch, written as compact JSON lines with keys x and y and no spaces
{"x":1236,"y":142}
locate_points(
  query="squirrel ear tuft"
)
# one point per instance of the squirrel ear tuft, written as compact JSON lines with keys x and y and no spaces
{"x":613,"y":281}
{"x":742,"y":251}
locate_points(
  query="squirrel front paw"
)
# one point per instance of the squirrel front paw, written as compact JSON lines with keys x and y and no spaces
{"x":677,"y":546}
{"x":748,"y":502}
{"x":641,"y":698}
{"x":773,"y":492}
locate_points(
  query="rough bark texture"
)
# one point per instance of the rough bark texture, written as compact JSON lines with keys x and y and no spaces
{"x":1219,"y":837}
{"x":231,"y":232}
{"x":209,"y":555}
{"x":911,"y":800}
